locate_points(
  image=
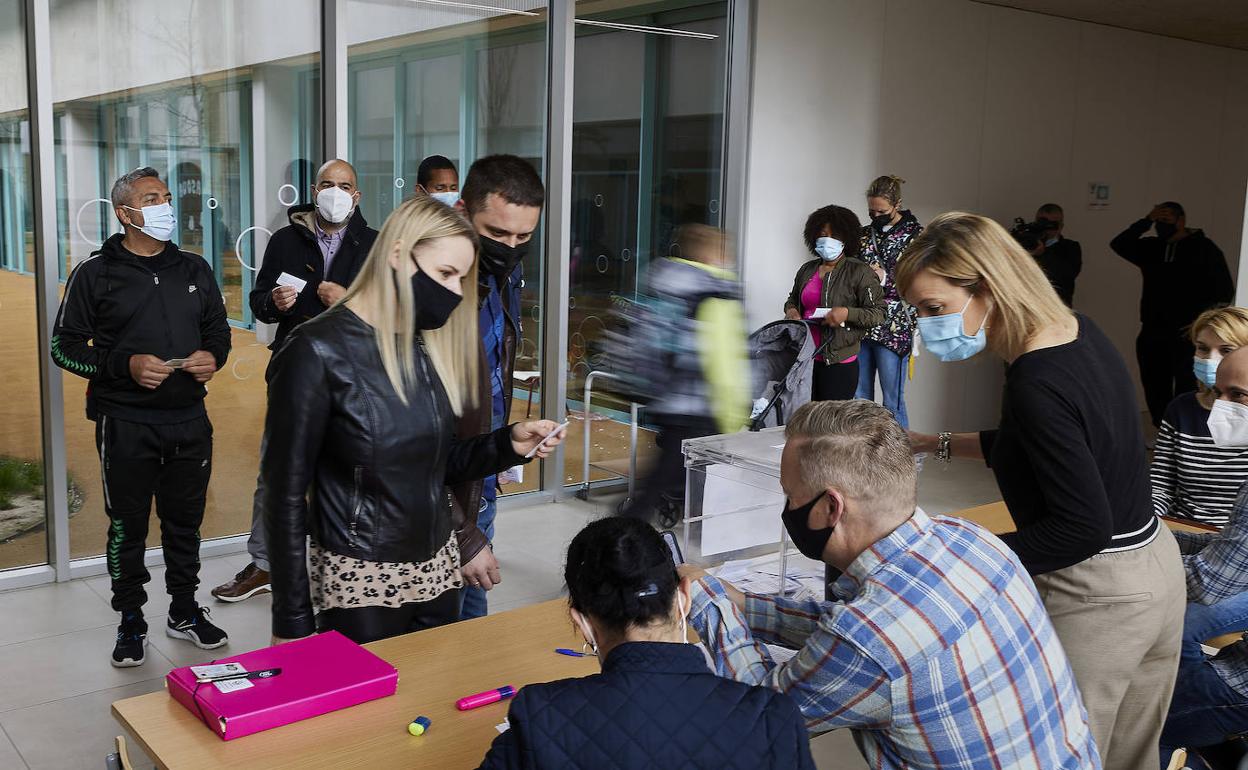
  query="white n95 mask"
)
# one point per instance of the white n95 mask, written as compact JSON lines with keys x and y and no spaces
{"x":1228,"y":424}
{"x":334,"y":204}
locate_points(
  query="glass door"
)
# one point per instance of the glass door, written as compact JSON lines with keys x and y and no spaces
{"x":647,"y":157}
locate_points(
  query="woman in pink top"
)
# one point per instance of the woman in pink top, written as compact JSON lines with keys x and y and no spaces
{"x":842,"y":293}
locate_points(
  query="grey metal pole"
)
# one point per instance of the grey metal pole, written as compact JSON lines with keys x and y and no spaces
{"x":561,"y":48}
{"x":47,"y":275}
{"x":333,"y":79}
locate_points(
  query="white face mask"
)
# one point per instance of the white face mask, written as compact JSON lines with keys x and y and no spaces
{"x":334,"y":204}
{"x":829,"y":249}
{"x":158,"y":221}
{"x":448,"y":198}
{"x":1228,"y":424}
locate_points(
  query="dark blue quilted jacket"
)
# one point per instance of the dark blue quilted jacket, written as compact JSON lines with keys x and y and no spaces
{"x":655,"y":705}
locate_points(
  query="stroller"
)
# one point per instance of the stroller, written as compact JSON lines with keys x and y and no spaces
{"x":782,"y":360}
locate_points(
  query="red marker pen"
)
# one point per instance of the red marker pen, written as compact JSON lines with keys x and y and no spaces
{"x":485,"y":698}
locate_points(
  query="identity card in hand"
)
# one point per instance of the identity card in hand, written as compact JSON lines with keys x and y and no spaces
{"x":286,"y":279}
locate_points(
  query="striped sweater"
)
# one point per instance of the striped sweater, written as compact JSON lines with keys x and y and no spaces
{"x":1192,"y":478}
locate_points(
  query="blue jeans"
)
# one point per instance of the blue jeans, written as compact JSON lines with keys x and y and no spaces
{"x":1204,"y":711}
{"x":875,"y":359}
{"x":1205,"y":621}
{"x":474,"y":603}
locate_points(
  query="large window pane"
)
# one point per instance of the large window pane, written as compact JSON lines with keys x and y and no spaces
{"x":431,"y":79}
{"x":23,"y":515}
{"x":222,"y":99}
{"x":647,"y":157}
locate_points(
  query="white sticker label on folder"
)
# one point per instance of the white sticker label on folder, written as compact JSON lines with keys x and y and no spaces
{"x":233,"y":685}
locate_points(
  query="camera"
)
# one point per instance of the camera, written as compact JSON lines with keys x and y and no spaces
{"x":1030,"y":234}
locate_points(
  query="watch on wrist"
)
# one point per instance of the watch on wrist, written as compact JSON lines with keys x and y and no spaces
{"x":943,"y":442}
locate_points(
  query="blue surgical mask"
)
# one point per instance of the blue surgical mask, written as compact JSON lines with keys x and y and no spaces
{"x":448,"y":198}
{"x":943,"y":336}
{"x":1206,"y":370}
{"x":829,"y":249}
{"x":158,"y":221}
{"x":1051,"y":241}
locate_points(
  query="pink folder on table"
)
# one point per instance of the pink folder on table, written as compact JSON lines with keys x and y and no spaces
{"x":320,"y":674}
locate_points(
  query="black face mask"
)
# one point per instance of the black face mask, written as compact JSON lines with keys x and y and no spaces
{"x":881,"y":221}
{"x":434,"y":302}
{"x":1165,"y":230}
{"x":810,"y":542}
{"x":499,"y":258}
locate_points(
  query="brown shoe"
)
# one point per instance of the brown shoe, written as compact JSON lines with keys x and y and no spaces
{"x":246,"y":584}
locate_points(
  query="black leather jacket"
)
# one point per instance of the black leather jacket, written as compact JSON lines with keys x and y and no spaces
{"x":353,"y":466}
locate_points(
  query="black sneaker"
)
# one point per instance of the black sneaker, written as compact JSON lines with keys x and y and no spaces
{"x":196,"y":629}
{"x":131,"y":647}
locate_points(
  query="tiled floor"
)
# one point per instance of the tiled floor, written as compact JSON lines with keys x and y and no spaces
{"x":56,"y":684}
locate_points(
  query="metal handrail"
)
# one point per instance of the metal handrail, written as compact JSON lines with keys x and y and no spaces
{"x":583,"y":492}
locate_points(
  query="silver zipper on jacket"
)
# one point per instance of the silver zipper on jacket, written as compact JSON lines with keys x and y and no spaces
{"x":358,"y":507}
{"x":433,"y":404}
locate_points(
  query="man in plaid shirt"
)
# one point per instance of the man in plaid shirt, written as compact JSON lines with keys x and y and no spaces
{"x":1211,"y":700}
{"x":937,"y":653}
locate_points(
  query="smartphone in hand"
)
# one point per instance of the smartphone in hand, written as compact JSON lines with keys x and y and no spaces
{"x":669,"y":537}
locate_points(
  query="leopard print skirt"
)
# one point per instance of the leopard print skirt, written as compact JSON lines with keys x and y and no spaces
{"x":342,"y":582}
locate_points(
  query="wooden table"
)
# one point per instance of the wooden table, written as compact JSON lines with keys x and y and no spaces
{"x":436,"y":667}
{"x":995,"y":518}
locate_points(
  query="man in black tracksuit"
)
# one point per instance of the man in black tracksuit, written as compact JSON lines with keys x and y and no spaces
{"x":145,"y":323}
{"x":1184,"y":275}
{"x":325,"y":245}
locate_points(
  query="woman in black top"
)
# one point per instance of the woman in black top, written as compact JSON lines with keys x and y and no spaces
{"x":656,"y":704}
{"x":1069,"y":458}
{"x":363,"y":406}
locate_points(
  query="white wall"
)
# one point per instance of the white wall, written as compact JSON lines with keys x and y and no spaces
{"x":943,"y":94}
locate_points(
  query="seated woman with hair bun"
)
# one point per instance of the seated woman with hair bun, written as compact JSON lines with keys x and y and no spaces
{"x":655,"y":704}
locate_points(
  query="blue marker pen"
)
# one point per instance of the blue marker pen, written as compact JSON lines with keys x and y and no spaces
{"x":572,"y":653}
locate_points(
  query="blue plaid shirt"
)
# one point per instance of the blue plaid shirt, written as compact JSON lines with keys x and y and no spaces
{"x":938,"y":654}
{"x":492,"y":323}
{"x":1216,"y":564}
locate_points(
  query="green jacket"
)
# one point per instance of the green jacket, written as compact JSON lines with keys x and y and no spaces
{"x":851,"y":285}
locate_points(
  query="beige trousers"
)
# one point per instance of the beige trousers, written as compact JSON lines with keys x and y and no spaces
{"x":1120,"y":619}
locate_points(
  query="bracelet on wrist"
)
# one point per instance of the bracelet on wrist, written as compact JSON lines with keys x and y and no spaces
{"x":944,"y":447}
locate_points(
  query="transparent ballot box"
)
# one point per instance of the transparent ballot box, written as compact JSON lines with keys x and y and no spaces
{"x":733,"y":498}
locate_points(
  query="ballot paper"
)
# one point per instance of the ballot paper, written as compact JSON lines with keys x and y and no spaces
{"x":820,"y":312}
{"x":503,"y":726}
{"x":780,"y":654}
{"x":804,"y":577}
{"x":513,"y":475}
{"x":286,"y":279}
